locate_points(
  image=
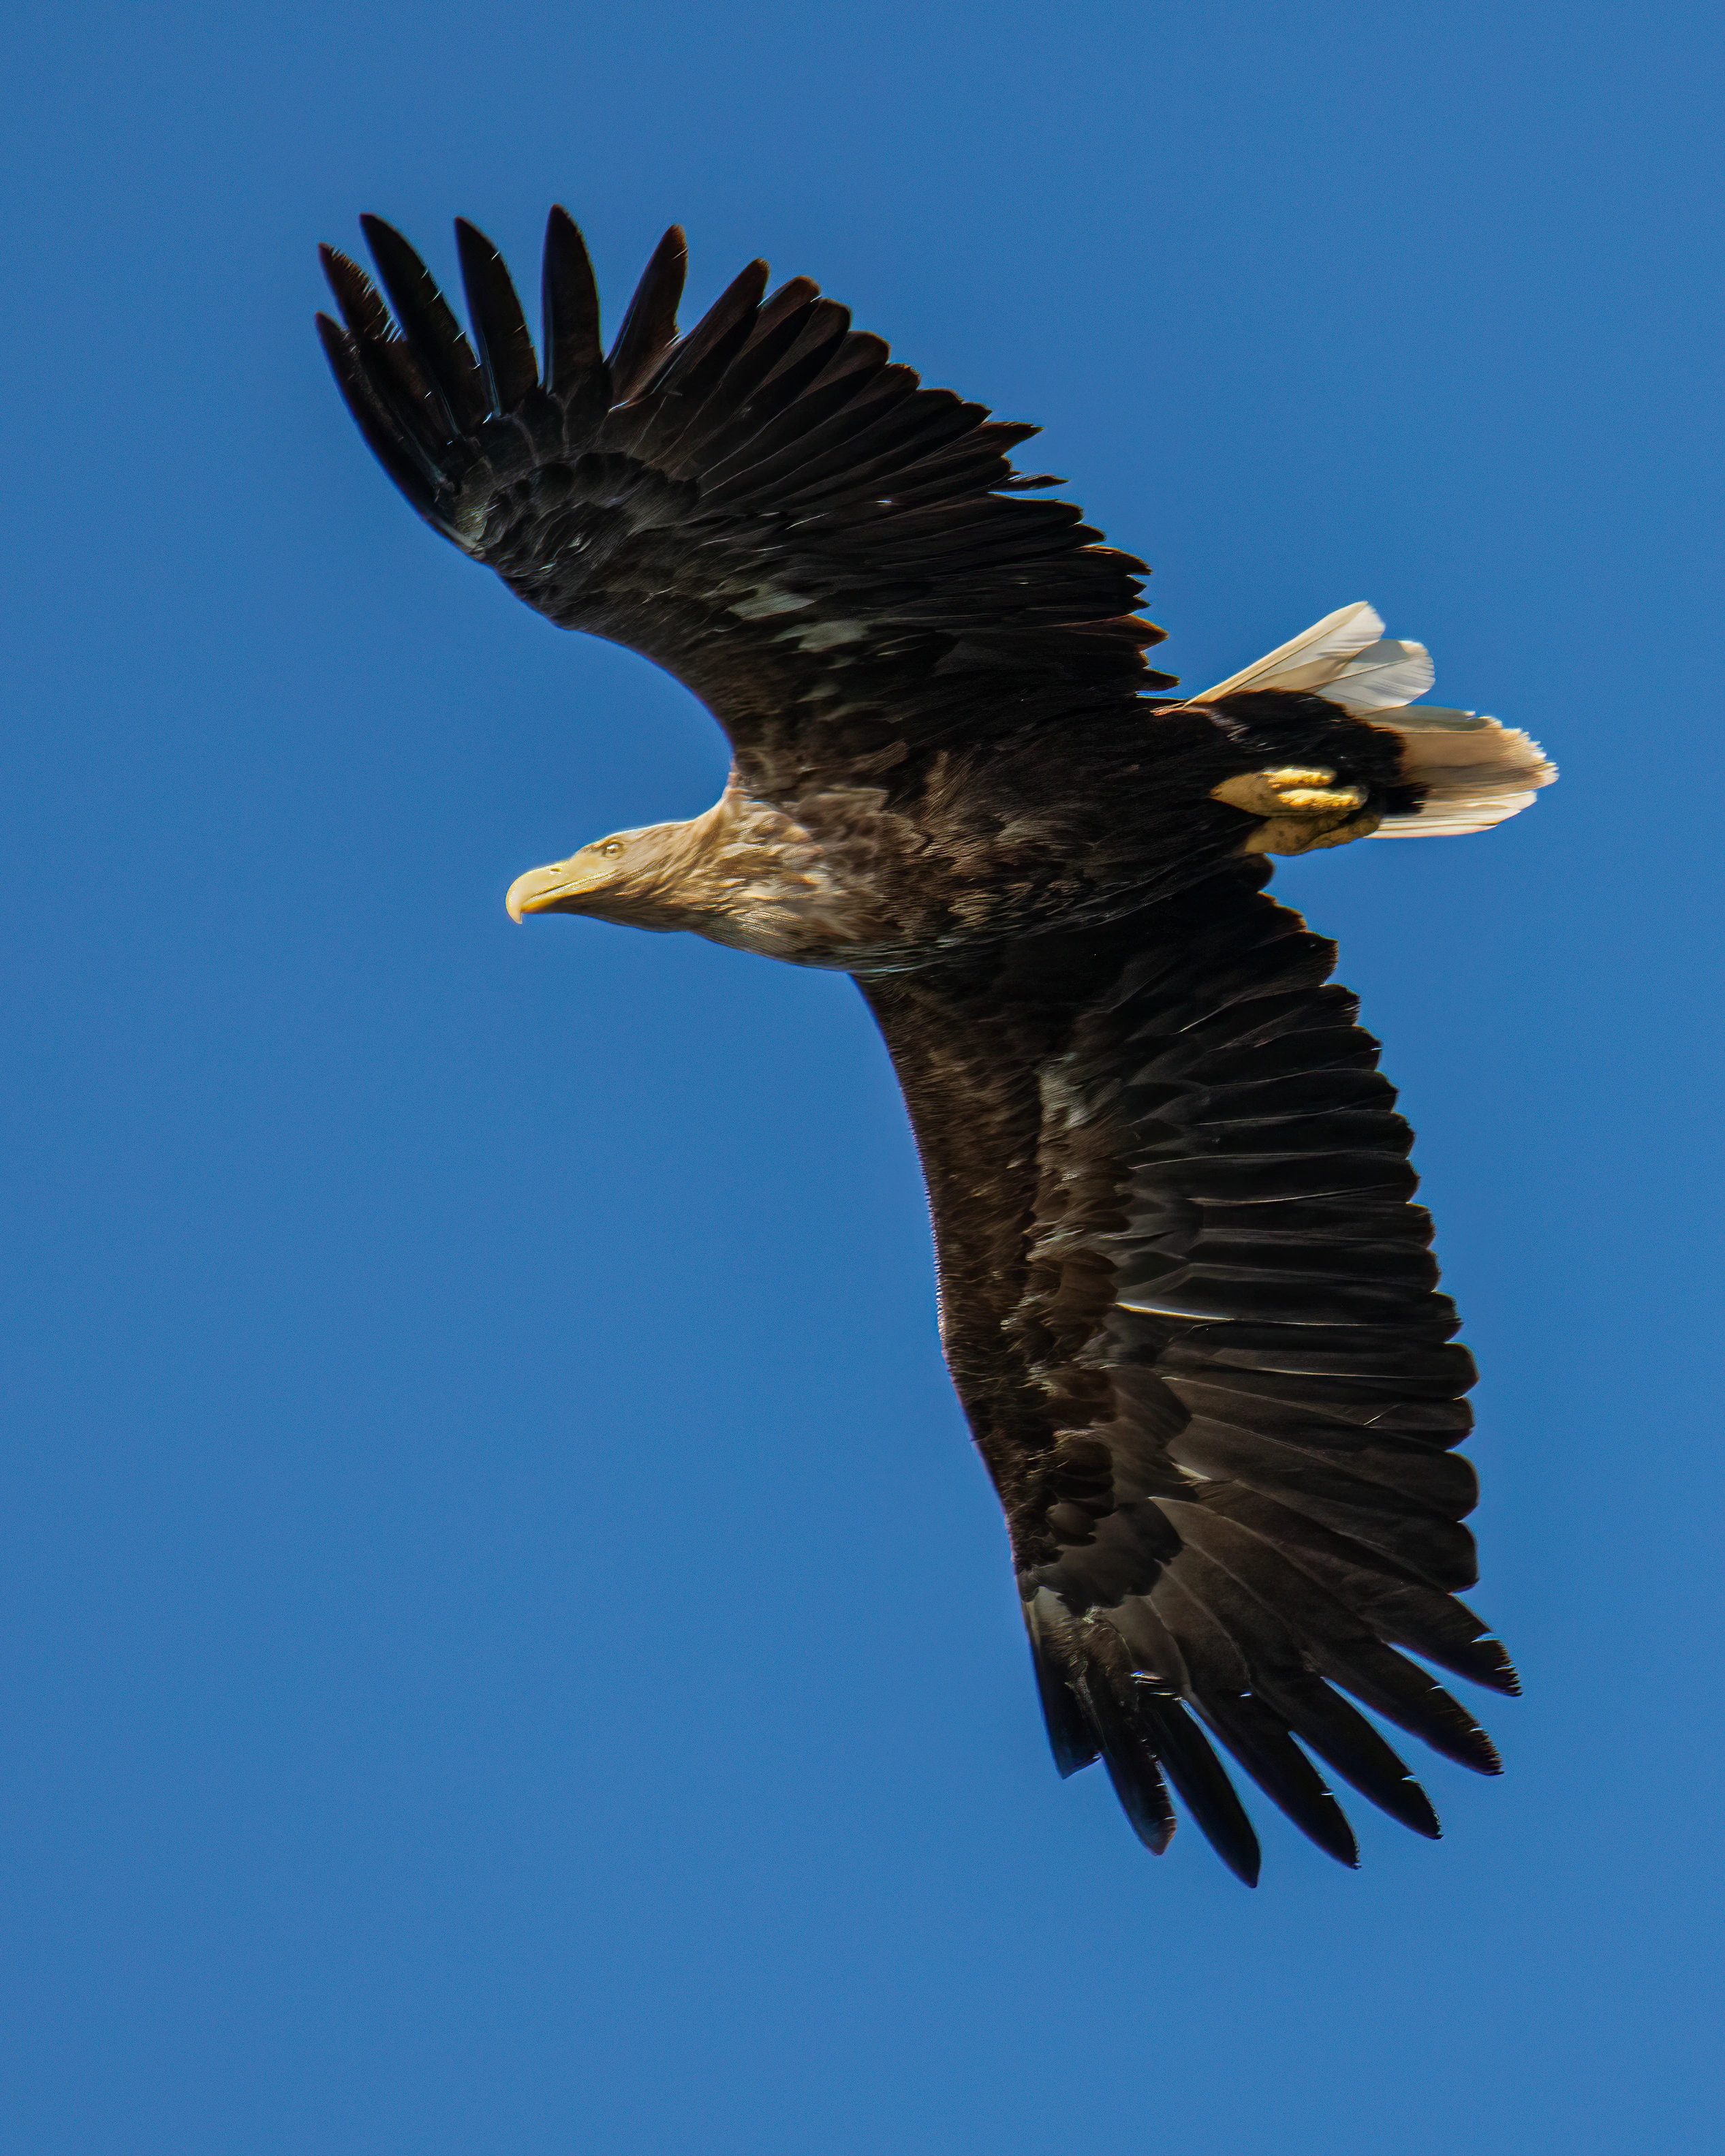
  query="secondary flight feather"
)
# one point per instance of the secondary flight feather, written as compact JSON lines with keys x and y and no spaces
{"x":1186,"y":1297}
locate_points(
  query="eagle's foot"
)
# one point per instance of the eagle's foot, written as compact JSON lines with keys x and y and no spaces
{"x":1303,"y":808}
{"x":1295,"y":790}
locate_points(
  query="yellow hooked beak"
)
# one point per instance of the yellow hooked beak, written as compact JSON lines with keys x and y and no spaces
{"x":541,"y":891}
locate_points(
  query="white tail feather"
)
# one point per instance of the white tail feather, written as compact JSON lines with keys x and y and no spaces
{"x":1387,"y":673}
{"x":1335,"y":638}
{"x":1477,"y":771}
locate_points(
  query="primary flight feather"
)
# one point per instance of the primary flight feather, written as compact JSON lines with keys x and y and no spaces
{"x":1185,"y":1297}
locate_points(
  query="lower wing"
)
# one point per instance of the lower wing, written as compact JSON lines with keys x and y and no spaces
{"x":1192,"y":1312}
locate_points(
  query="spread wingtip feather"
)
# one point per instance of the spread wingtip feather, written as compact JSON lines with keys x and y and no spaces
{"x":573,"y":352}
{"x":649,"y":324}
{"x":500,"y":328}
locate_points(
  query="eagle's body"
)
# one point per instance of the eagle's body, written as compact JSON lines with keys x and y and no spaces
{"x":950,"y":848}
{"x":1186,"y":1301}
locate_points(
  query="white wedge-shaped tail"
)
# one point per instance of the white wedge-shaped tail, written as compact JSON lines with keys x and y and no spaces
{"x":1477,"y":771}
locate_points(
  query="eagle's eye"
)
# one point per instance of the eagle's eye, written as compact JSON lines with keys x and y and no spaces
{"x":612,"y":846}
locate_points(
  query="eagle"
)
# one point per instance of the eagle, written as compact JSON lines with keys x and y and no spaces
{"x":1187,"y":1299}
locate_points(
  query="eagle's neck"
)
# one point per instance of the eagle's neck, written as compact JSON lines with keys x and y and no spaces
{"x":787,"y":883}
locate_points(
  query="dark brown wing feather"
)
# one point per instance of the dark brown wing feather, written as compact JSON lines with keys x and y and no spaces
{"x":1192,"y":1313}
{"x":833,"y":556}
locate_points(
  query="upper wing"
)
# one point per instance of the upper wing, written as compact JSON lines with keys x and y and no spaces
{"x":829,"y":555}
{"x":1192,"y":1315}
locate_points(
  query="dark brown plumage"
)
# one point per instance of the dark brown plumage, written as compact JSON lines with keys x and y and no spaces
{"x":1187,"y":1300}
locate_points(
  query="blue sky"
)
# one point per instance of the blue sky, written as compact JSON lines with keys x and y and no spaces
{"x":506,"y":1648}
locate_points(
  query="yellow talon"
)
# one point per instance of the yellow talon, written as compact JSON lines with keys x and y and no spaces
{"x":1303,"y":809}
{"x":1291,"y":791}
{"x":1309,"y":834}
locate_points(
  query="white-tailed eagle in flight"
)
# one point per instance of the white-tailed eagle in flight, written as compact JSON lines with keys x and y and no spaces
{"x":1186,"y":1296}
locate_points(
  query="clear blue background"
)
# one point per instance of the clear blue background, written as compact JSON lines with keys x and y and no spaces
{"x":506,"y":1647}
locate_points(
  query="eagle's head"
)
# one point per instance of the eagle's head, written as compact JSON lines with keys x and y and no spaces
{"x":645,"y":878}
{"x":744,"y":873}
